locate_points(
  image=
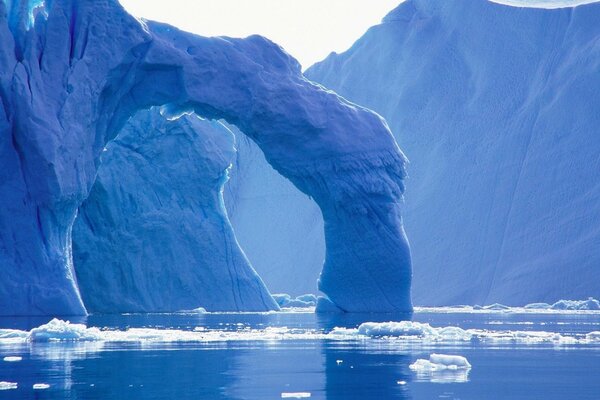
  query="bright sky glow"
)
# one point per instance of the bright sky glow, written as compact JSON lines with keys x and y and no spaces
{"x":307,"y":29}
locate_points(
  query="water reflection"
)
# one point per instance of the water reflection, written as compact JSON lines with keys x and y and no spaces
{"x":368,"y":371}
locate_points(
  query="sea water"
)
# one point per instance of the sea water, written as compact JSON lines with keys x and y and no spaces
{"x":300,"y":354}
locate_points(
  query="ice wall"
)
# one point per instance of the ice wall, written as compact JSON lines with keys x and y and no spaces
{"x":74,"y":72}
{"x":497,"y":108}
{"x":153,"y":234}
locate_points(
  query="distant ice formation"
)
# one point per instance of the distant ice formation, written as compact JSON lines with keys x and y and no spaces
{"x":73,"y":74}
{"x":302,"y":301}
{"x":498,"y":114}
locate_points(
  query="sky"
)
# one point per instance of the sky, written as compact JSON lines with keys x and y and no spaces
{"x":308,"y":29}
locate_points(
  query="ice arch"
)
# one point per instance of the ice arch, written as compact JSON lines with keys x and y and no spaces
{"x":73,"y":77}
{"x":153,"y":235}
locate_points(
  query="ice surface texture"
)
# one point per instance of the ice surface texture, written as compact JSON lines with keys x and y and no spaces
{"x":155,"y":222}
{"x":73,"y":73}
{"x":497,"y":109}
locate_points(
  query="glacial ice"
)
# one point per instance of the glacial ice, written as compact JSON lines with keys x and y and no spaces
{"x":74,"y":75}
{"x":497,"y":109}
{"x":441,"y":362}
{"x":153,"y":234}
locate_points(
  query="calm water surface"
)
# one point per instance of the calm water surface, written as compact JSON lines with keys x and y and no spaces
{"x":321,"y":368}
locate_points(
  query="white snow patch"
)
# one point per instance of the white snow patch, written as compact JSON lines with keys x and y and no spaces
{"x":40,"y":386}
{"x":12,"y":358}
{"x":295,"y":395}
{"x":439,"y":362}
{"x":8,"y":385}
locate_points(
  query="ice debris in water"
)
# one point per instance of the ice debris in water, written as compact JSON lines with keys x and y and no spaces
{"x":40,"y":386}
{"x":295,"y":395}
{"x":7,"y":385}
{"x":57,"y":330}
{"x":12,"y":358}
{"x":442,"y":368}
{"x":423,"y":332}
{"x":403,"y":331}
{"x":439,"y":362}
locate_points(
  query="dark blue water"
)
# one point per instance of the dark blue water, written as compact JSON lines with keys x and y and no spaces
{"x":364,"y":369}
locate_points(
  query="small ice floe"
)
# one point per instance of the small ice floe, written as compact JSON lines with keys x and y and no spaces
{"x":59,"y":330}
{"x":295,"y":395}
{"x":12,"y":358}
{"x":199,"y":310}
{"x":40,"y":386}
{"x":8,"y":385}
{"x":442,"y":368}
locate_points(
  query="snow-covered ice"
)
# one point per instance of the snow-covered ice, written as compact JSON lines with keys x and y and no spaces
{"x":8,"y":385}
{"x":295,"y":395}
{"x":442,"y":368}
{"x":400,"y":332}
{"x":438,"y":362}
{"x":40,"y":386}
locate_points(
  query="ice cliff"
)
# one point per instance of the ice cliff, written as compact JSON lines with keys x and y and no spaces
{"x":154,"y":223}
{"x":498,"y":109}
{"x":74,"y":72}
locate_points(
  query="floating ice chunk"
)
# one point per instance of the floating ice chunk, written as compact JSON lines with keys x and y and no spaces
{"x":12,"y":358}
{"x":8,"y":385}
{"x":40,"y":386}
{"x":593,"y":337}
{"x":538,"y":306}
{"x":589,"y":304}
{"x":12,"y":334}
{"x":295,"y":395}
{"x":324,"y":305}
{"x":442,"y":368}
{"x":59,"y":330}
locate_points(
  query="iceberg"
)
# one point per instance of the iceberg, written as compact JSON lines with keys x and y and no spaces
{"x":497,"y":108}
{"x":74,"y":72}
